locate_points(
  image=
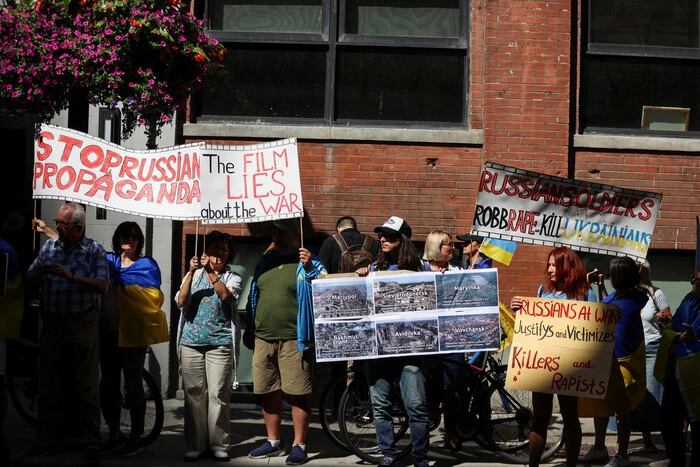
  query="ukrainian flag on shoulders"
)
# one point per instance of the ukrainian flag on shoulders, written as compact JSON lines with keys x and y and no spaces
{"x":139,"y":300}
{"x":500,"y":250}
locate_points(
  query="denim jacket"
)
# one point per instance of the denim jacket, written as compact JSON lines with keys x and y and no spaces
{"x":305,"y":313}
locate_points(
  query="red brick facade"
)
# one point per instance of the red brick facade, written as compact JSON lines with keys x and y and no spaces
{"x":522,"y":94}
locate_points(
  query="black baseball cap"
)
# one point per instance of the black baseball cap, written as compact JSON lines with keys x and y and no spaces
{"x":468,"y":238}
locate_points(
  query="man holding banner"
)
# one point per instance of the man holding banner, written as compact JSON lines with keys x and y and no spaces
{"x":73,"y":273}
{"x":281,"y":322}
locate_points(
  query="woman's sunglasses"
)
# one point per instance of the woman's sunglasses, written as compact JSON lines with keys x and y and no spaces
{"x":388,"y":237}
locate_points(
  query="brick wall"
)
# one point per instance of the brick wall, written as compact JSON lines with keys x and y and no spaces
{"x":675,"y":176}
{"x":520,"y":90}
{"x":526,"y":82}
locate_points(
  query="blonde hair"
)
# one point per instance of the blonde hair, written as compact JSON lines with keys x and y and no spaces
{"x":433,"y":243}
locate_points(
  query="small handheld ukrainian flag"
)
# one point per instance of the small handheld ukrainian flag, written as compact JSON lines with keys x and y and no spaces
{"x":500,"y":250}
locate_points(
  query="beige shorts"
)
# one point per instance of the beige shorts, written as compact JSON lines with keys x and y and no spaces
{"x":279,"y":365}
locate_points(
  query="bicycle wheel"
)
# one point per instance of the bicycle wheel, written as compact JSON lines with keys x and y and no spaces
{"x":155,"y":414}
{"x":357,"y":424}
{"x":23,"y":394}
{"x":328,"y":411}
{"x":506,"y":421}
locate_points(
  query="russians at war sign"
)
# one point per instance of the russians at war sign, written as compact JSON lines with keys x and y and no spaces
{"x":563,"y":347}
{"x":391,"y":315}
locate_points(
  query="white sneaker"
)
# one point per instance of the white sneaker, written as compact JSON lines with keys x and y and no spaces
{"x":618,"y":461}
{"x":221,"y":455}
{"x":595,"y":456}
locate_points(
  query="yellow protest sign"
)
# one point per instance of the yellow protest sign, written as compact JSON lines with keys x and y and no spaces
{"x":562,"y":347}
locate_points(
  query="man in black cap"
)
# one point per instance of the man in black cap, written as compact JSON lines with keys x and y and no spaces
{"x":472,"y":258}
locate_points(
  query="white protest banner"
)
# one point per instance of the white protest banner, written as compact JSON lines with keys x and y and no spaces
{"x":419,"y":313}
{"x":75,"y":166}
{"x":529,"y":207}
{"x":563,"y":347}
{"x":242,"y":184}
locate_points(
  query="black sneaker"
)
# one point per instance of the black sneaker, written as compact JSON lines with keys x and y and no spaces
{"x":387,"y":461}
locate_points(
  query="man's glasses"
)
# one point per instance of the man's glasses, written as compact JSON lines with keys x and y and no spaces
{"x":388,"y":237}
{"x":60,"y":223}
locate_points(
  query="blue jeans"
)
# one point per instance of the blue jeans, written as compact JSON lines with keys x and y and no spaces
{"x":382,"y":373}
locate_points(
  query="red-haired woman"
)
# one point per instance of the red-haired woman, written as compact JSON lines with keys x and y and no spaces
{"x":566,"y":280}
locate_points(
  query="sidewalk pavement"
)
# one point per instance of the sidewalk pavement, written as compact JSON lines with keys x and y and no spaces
{"x":248,"y":431}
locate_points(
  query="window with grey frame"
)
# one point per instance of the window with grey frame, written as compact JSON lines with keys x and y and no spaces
{"x":339,"y":62}
{"x":640,"y":67}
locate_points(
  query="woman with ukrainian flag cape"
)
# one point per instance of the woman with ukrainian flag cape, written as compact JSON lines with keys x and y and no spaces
{"x":132,"y":323}
{"x":678,"y":367}
{"x":627,"y":383}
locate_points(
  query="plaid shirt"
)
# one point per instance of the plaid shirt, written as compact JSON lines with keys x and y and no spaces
{"x":86,"y":258}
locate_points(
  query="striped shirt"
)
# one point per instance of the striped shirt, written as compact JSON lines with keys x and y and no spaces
{"x":86,"y":258}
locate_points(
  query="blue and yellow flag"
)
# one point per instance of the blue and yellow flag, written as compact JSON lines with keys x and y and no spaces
{"x":139,"y":300}
{"x":507,"y":327}
{"x":500,"y":250}
{"x":687,"y":355}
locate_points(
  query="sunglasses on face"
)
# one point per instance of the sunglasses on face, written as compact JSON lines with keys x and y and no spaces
{"x":388,"y":237}
{"x":449,"y":244}
{"x":132,"y":236}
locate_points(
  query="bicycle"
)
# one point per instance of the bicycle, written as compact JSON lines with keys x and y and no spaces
{"x":23,"y":388}
{"x":506,"y":417}
{"x":328,"y":409}
{"x":492,"y":416}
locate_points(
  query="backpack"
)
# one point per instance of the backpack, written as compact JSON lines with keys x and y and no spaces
{"x":353,"y":258}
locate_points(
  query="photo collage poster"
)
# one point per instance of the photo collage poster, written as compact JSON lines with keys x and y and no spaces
{"x":412,"y":313}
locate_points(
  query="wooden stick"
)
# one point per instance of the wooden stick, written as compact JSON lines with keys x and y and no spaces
{"x":301,"y":230}
{"x":34,"y":231}
{"x":196,"y":239}
{"x":204,"y":240}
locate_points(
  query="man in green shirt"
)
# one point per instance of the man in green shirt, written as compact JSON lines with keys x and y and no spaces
{"x":280,"y":318}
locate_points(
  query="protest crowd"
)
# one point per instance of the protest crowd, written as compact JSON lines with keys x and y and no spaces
{"x":101,"y":310}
